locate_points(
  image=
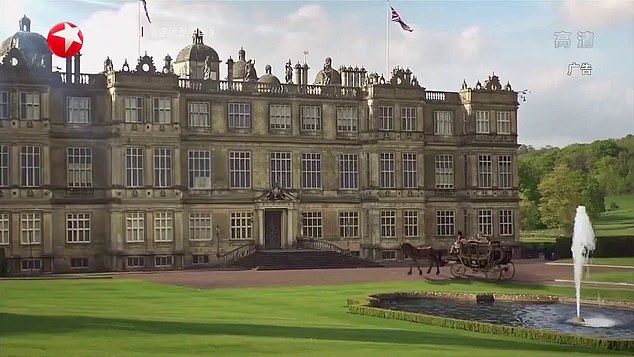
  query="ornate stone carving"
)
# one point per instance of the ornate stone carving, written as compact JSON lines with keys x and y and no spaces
{"x":168,"y":68}
{"x":207,"y":74}
{"x":14,"y":58}
{"x":126,"y":66}
{"x":493,"y":83}
{"x":289,"y":72}
{"x":403,"y":77}
{"x":107,"y":65}
{"x":278,"y":194}
{"x":146,"y":65}
{"x":250,"y":74}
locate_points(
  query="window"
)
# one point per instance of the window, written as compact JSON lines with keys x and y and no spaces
{"x":279,"y":116}
{"x":388,"y":224}
{"x":485,"y":172}
{"x":241,"y":225}
{"x":30,"y":228}
{"x":443,"y":123}
{"x":349,"y":224}
{"x":199,"y":169}
{"x":79,"y":167}
{"x":388,"y":255}
{"x":485,"y":222}
{"x":133,"y":109}
{"x":239,"y":115}
{"x":198,"y":259}
{"x":78,"y":263}
{"x":386,"y":118}
{"x":310,"y":118}
{"x":135,"y":262}
{"x":162,"y":167}
{"x":30,"y":166}
{"x":348,"y":171}
{"x":5,"y":224}
{"x":31,"y":264}
{"x":239,"y":169}
{"x":163,"y":226}
{"x":410,"y":176}
{"x":4,"y":165}
{"x":134,"y":227}
{"x":78,"y":228}
{"x":134,"y":167}
{"x":198,"y":115}
{"x":505,"y":171}
{"x":78,"y":110}
{"x":504,"y":122}
{"x":30,"y":106}
{"x":280,"y":167}
{"x":408,"y":119}
{"x":482,"y":122}
{"x":444,"y":171}
{"x":386,"y":170}
{"x":311,"y":224}
{"x":410,"y":223}
{"x":347,"y":119}
{"x":506,"y":222}
{"x":163,"y":261}
{"x":200,"y":227}
{"x":4,"y":105}
{"x":162,"y":110}
{"x":445,"y":223}
{"x":311,"y":170}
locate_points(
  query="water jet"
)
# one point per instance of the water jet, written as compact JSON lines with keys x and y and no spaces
{"x":583,"y":242}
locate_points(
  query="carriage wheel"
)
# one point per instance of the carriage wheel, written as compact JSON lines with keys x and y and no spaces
{"x":494,"y":272}
{"x":458,"y":270}
{"x":508,"y":271}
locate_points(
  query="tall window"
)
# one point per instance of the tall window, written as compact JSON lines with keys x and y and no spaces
{"x":198,"y":115}
{"x":485,"y":222}
{"x":311,"y":170}
{"x":348,"y":171}
{"x":239,"y":115}
{"x":310,"y":116}
{"x":347,"y":119}
{"x":78,"y":110}
{"x":349,"y":224}
{"x":443,"y":123}
{"x":388,"y":224}
{"x":134,"y":167}
{"x":410,"y":223}
{"x":79,"y":166}
{"x":78,"y":228}
{"x":506,"y":222}
{"x":5,"y":224}
{"x":386,"y":118}
{"x":444,"y":171}
{"x":134,"y":227}
{"x":408,"y":119}
{"x":163,"y":226}
{"x":30,"y":106}
{"x":199,"y":169}
{"x":280,"y":167}
{"x":162,"y":167}
{"x":386,"y":170}
{"x":410,"y":169}
{"x":30,"y":228}
{"x":133,"y":109}
{"x":241,"y":225}
{"x":239,"y":169}
{"x":5,"y":110}
{"x":445,"y":223}
{"x":30,"y":166}
{"x":483,"y":125}
{"x":280,"y":116}
{"x":162,"y":110}
{"x":312,"y":224}
{"x":4,"y":165}
{"x":485,"y":171}
{"x":200,"y":227}
{"x":505,"y":171}
{"x":504,"y":122}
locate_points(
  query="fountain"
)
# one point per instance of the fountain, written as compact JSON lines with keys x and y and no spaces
{"x":583,"y":243}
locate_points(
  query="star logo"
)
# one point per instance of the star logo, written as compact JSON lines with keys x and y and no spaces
{"x":65,"y":39}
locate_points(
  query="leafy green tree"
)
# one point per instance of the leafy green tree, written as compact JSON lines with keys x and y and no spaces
{"x":529,"y":213}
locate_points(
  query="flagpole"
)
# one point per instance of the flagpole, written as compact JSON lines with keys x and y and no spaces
{"x":387,"y":39}
{"x":139,"y":26}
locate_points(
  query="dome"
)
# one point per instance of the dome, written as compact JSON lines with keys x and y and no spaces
{"x":268,"y":78}
{"x":29,"y":43}
{"x":197,"y":51}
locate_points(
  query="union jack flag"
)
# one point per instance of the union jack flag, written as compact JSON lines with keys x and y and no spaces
{"x":397,"y":18}
{"x":145,"y":8}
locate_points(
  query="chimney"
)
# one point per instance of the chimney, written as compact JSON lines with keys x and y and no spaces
{"x":298,"y":74}
{"x":69,"y":69}
{"x":77,"y":67}
{"x":230,"y":69}
{"x":305,"y":74}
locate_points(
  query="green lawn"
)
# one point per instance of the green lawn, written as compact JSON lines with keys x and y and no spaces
{"x":134,"y":318}
{"x":612,"y":277}
{"x":624,"y":261}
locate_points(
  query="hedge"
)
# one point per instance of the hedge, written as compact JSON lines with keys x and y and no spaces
{"x":606,"y":247}
{"x":363,"y":307}
{"x":4,"y":268}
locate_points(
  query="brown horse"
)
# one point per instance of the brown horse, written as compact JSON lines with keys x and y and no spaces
{"x":434,"y":256}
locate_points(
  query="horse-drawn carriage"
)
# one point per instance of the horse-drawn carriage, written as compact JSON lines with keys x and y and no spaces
{"x":480,"y":255}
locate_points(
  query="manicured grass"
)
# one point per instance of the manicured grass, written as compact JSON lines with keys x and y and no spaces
{"x":136,"y":318}
{"x":624,"y":261}
{"x":612,"y":277}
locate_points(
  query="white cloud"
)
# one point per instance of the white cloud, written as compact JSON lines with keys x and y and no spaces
{"x":596,"y":14}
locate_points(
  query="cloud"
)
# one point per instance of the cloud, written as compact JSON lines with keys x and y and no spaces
{"x":596,"y":14}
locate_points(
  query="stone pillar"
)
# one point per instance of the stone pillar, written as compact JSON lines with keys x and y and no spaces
{"x":260,"y":228}
{"x":230,"y":69}
{"x":298,"y":74}
{"x":47,"y":232}
{"x":178,"y":230}
{"x":77,"y":67}
{"x":46,"y":167}
{"x":69,"y":69}
{"x":305,"y":74}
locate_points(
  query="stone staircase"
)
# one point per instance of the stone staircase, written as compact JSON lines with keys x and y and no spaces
{"x":286,"y":259}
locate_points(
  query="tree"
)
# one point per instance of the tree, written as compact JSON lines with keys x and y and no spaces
{"x":529,"y":213}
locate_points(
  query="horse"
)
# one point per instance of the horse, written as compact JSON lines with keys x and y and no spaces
{"x":434,"y":256}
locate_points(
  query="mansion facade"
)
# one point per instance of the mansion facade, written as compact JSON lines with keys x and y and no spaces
{"x":146,"y":168}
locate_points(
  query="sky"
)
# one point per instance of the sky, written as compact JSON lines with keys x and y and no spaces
{"x":452,"y":41}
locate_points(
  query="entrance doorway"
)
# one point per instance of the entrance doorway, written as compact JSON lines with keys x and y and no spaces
{"x":272,"y":229}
